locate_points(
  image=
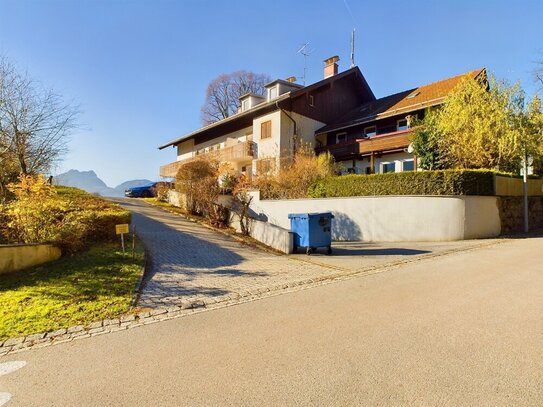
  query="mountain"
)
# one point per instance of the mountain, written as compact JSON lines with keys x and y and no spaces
{"x":89,"y":181}
{"x":132,"y":184}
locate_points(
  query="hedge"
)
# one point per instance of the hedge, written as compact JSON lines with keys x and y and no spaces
{"x":443,"y":182}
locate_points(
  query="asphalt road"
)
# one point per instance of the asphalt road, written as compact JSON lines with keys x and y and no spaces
{"x":464,"y":329}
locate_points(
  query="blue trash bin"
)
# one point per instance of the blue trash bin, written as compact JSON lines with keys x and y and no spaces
{"x":312,"y":230}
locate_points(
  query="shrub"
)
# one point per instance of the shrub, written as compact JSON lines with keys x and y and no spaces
{"x":444,"y":182}
{"x":296,"y":175}
{"x":199,"y":181}
{"x":67,"y":217}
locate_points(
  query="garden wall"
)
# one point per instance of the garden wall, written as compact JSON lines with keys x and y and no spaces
{"x":18,"y":257}
{"x":393,"y":218}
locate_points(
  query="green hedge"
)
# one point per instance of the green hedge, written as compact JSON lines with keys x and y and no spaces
{"x":444,"y":182}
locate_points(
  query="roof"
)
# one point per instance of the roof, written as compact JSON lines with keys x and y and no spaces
{"x":402,"y":102}
{"x":247,"y":115}
{"x":244,"y":119}
{"x":284,"y":82}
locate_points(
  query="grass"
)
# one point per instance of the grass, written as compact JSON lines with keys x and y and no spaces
{"x":92,"y":285}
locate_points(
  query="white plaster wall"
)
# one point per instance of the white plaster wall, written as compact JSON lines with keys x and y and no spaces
{"x":393,"y":218}
{"x":268,"y":147}
{"x":397,"y":158}
{"x":185,"y":149}
{"x":481,"y":217}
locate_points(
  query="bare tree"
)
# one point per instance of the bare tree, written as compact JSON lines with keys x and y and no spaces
{"x":35,"y":124}
{"x":224,"y":91}
{"x":538,"y":72}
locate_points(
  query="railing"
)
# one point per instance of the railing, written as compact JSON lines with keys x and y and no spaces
{"x":236,"y":152}
{"x":381,"y":143}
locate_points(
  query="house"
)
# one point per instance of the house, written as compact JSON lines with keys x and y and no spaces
{"x":375,"y":137}
{"x":339,"y":114}
{"x":268,"y":128}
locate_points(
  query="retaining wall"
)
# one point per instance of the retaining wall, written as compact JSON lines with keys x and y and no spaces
{"x":18,"y":257}
{"x":393,"y":218}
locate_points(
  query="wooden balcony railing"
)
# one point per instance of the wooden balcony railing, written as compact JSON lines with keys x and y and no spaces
{"x":237,"y":152}
{"x":366,"y":146}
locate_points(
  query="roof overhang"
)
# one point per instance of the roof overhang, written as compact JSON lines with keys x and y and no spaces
{"x":231,"y":123}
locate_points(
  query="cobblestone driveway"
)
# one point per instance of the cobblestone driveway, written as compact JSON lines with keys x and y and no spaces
{"x":190,"y":262}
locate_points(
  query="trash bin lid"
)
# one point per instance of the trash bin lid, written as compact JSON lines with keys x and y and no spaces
{"x":309,"y":215}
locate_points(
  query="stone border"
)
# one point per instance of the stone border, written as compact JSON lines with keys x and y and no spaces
{"x":189,"y":307}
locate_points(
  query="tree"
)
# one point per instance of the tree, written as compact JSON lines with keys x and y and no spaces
{"x":35,"y":124}
{"x":222,"y":95}
{"x":538,"y":72}
{"x":479,"y":126}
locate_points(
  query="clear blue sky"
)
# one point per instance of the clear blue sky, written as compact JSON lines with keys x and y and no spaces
{"x":139,"y":69}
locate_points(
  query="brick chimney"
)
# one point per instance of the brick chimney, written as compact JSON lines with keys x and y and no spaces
{"x":330,"y":66}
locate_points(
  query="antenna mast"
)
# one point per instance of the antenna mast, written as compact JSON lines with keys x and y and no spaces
{"x":352,"y":48}
{"x":305,"y":51}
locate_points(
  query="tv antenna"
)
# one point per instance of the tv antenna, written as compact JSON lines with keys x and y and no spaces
{"x":352,"y":48}
{"x":305,"y":51}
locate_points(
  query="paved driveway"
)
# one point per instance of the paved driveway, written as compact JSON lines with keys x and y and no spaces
{"x":190,"y":262}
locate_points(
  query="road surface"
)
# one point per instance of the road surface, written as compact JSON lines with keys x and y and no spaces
{"x":461,"y":329}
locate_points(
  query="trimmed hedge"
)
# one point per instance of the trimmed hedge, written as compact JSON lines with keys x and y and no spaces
{"x":443,"y":182}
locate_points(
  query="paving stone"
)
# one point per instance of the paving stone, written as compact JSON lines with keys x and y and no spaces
{"x":96,"y":324}
{"x":14,"y":341}
{"x":108,"y":322}
{"x":128,"y":318}
{"x":56,"y":333}
{"x":74,"y":329}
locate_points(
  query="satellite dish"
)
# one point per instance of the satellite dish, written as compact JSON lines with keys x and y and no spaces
{"x":410,"y":149}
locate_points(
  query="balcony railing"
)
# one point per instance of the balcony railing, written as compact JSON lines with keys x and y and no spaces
{"x":366,"y":146}
{"x":238,"y":152}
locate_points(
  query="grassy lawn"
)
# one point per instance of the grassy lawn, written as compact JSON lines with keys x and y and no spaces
{"x":92,"y":285}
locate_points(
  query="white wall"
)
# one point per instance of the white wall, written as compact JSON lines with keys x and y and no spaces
{"x":393,"y":218}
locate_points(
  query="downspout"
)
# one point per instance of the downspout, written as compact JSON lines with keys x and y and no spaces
{"x":293,"y":122}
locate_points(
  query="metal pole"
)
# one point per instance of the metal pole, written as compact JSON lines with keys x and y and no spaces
{"x":525,"y":192}
{"x":122,"y":240}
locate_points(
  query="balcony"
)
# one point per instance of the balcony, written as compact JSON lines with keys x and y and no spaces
{"x":382,"y":143}
{"x":235,"y":153}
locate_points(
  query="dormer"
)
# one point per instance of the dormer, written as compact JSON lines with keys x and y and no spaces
{"x":279,"y":87}
{"x":249,"y":100}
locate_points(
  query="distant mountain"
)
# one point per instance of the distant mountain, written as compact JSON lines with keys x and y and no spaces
{"x":89,"y":181}
{"x":132,"y":184}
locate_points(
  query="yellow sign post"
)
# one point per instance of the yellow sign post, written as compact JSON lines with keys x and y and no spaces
{"x":121,"y":230}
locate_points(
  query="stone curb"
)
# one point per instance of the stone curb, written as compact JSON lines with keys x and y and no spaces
{"x":189,"y":307}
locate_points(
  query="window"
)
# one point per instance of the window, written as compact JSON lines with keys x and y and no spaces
{"x":370,"y":131}
{"x":341,"y":138}
{"x":408,"y":165}
{"x":311,"y":101}
{"x":245,"y":105}
{"x":402,"y":125}
{"x":265,"y":129}
{"x":388,"y":167}
{"x":272,"y":93}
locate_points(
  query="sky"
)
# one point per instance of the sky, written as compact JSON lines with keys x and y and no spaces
{"x":139,"y":69}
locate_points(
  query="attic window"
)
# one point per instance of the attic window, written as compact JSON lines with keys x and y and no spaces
{"x":413,"y":94}
{"x":245,"y":105}
{"x":272,"y":93}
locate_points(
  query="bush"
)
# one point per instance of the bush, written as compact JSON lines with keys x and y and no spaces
{"x":67,"y":217}
{"x":296,"y":175}
{"x":445,"y":182}
{"x":199,"y":181}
